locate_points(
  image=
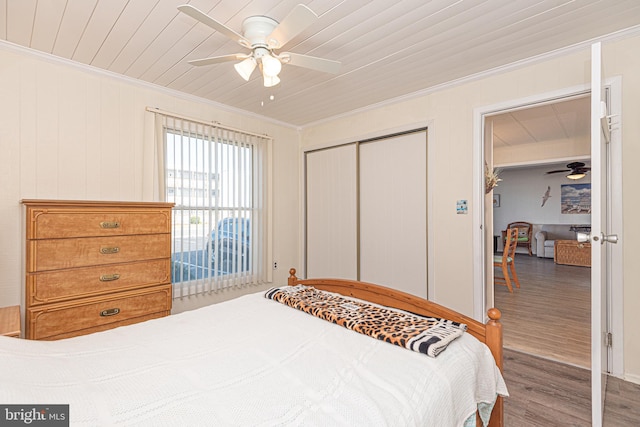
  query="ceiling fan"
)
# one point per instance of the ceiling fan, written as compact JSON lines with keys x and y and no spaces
{"x":264,"y":35}
{"x":577,"y":170}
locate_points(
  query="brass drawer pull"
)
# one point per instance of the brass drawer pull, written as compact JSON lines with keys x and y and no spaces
{"x":581,"y":246}
{"x":109,"y":277}
{"x":109,"y":224}
{"x":110,"y":312}
{"x":113,"y":250}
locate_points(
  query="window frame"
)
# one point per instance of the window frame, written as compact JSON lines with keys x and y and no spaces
{"x":257,"y":149}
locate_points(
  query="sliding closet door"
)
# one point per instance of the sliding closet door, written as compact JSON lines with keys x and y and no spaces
{"x":393,"y":212}
{"x":330,"y":226}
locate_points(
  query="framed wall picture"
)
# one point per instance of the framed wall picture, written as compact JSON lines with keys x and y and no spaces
{"x":575,"y":198}
{"x":496,"y":200}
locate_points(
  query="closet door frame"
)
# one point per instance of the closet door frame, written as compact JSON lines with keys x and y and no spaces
{"x":420,"y":128}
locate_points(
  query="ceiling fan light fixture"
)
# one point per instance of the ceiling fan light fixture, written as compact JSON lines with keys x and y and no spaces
{"x":576,"y":175}
{"x":246,"y":67}
{"x":270,"y":81}
{"x":271,"y":66}
{"x":262,"y":35}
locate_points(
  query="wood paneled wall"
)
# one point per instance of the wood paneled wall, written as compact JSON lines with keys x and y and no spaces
{"x":72,"y":132}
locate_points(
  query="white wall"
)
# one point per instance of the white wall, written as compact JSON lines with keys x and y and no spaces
{"x":449,"y":112}
{"x":450,"y":156}
{"x":74,"y":133}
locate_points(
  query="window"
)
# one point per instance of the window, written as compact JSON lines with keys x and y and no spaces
{"x":217,"y":179}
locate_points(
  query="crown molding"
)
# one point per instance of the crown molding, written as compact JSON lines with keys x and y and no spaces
{"x":618,"y":35}
{"x":12,"y":47}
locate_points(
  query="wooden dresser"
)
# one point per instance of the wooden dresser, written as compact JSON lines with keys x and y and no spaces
{"x":92,"y":266}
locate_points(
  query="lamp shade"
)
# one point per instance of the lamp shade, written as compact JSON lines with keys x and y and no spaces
{"x":271,"y":81}
{"x":246,"y":67}
{"x":576,"y":175}
{"x":271,"y":66}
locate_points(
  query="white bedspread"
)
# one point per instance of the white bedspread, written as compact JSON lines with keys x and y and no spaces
{"x":247,"y":362}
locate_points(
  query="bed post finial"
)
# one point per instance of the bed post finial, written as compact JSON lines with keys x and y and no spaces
{"x":494,"y":341}
{"x":494,"y":335}
{"x":292,"y":277}
{"x":494,"y":314}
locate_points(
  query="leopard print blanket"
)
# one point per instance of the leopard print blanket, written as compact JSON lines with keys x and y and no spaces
{"x":427,"y":335}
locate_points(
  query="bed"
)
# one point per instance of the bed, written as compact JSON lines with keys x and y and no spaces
{"x":255,"y":361}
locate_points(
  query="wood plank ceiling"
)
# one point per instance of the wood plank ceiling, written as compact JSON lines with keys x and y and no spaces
{"x":387,"y":49}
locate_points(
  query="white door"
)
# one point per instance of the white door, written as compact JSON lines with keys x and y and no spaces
{"x":393,"y":212}
{"x":330,"y":209}
{"x":599,"y":236}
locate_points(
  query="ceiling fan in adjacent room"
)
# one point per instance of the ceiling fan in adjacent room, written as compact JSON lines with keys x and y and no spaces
{"x":576,"y":170}
{"x":263,"y":36}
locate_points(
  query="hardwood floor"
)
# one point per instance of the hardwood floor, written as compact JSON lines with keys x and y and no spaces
{"x":622,"y":403}
{"x":544,"y":393}
{"x":550,"y":314}
{"x":547,"y":350}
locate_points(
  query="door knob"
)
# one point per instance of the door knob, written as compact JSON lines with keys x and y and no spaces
{"x":585,"y":237}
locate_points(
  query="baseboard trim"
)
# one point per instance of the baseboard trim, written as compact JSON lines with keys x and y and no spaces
{"x":632,"y":378}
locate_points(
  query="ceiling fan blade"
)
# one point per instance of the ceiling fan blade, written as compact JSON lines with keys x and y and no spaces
{"x":559,"y":171}
{"x":218,"y":59}
{"x":574,"y":165}
{"x":293,"y":24}
{"x":218,"y":26}
{"x":306,"y":61}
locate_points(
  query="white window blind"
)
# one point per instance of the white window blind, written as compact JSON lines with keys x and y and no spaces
{"x":217,"y":178}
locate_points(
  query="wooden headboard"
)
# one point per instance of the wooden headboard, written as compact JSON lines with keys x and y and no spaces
{"x":489,"y":333}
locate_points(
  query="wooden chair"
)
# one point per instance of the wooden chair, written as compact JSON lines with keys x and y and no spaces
{"x":506,"y":260}
{"x":525,"y":234}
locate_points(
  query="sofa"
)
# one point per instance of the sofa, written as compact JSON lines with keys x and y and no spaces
{"x":547,"y":234}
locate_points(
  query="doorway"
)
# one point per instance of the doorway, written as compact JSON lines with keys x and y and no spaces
{"x":549,"y":316}
{"x":484,"y":155}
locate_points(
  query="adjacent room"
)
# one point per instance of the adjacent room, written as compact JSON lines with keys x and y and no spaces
{"x":549,"y":204}
{"x":192,"y":188}
{"x":558,"y":284}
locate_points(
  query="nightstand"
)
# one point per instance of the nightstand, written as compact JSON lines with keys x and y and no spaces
{"x":10,"y":321}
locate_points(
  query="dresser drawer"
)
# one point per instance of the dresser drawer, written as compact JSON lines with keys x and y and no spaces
{"x":92,"y":314}
{"x":57,"y":254}
{"x":94,"y":329}
{"x":52,"y":222}
{"x":62,"y":285}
